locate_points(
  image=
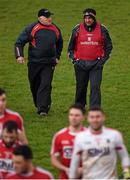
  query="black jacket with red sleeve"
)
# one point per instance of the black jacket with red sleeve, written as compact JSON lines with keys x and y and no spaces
{"x":45,"y":43}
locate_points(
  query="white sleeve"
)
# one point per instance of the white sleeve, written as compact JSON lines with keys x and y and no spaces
{"x":76,"y":157}
{"x":122,"y":151}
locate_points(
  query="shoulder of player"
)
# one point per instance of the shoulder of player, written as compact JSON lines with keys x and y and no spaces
{"x":76,"y":28}
{"x":60,"y":135}
{"x":104,"y":29}
{"x":31,"y":26}
{"x":56,"y":26}
{"x":60,"y":132}
{"x":114,"y":131}
{"x":55,"y":29}
{"x":10,"y":112}
{"x":44,"y":172}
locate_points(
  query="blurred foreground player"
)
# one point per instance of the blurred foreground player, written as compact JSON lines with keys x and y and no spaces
{"x":63,"y":141}
{"x":8,"y":143}
{"x":98,"y":147}
{"x":6,"y":114}
{"x":23,"y":165}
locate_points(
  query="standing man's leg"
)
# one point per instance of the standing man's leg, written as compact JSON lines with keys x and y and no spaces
{"x":95,"y":83}
{"x":34,"y":79}
{"x":45,"y":88}
{"x":82,"y":78}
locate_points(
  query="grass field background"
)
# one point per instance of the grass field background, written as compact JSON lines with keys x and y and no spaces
{"x":14,"y":16}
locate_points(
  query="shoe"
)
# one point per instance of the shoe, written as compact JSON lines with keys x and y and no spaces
{"x":42,"y":113}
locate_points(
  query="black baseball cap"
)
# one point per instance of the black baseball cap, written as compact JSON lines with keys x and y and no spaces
{"x":44,"y":12}
{"x":89,"y":12}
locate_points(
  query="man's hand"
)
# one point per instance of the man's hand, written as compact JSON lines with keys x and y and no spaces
{"x":100,"y":63}
{"x":74,"y":60}
{"x":20,"y":60}
{"x":57,"y":61}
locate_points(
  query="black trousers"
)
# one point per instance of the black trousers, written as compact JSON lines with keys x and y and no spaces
{"x":40,"y":78}
{"x":94,"y":75}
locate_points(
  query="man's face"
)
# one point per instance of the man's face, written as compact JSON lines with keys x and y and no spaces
{"x":9,"y":138}
{"x":88,"y":20}
{"x":44,"y":20}
{"x":75,"y":117}
{"x":3,"y":102}
{"x":20,"y":164}
{"x":96,"y":120}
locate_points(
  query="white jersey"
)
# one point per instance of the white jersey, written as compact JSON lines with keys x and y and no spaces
{"x":98,"y":153}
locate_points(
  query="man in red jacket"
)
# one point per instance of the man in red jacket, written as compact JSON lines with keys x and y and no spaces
{"x":89,"y":48}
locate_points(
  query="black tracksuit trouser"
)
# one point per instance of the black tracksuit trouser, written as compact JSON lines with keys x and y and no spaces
{"x":83,"y":76}
{"x":40,"y":78}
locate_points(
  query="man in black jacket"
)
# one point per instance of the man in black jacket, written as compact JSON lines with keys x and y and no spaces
{"x":89,"y":48}
{"x":45,"y":46}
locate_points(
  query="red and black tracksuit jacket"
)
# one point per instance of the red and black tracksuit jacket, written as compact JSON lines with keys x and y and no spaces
{"x":106,"y":36}
{"x":45,"y":43}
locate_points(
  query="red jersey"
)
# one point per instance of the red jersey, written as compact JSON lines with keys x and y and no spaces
{"x":90,"y":45}
{"x":37,"y":173}
{"x":6,"y":165}
{"x":11,"y":115}
{"x":62,"y":145}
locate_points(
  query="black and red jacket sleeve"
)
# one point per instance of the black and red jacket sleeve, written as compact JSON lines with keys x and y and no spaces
{"x":72,"y":42}
{"x":107,"y":43}
{"x":59,"y":44}
{"x":23,"y":38}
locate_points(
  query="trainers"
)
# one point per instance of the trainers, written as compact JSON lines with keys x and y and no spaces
{"x":42,"y":113}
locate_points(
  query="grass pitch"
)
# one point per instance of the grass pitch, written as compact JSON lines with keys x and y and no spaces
{"x":14,"y":16}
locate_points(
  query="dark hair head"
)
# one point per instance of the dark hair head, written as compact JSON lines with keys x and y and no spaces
{"x":11,"y":126}
{"x":90,"y":10}
{"x":79,"y":107}
{"x":2,"y":91}
{"x":25,"y":151}
{"x":96,"y":108}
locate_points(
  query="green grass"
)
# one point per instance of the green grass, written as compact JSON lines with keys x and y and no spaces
{"x":14,"y":16}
